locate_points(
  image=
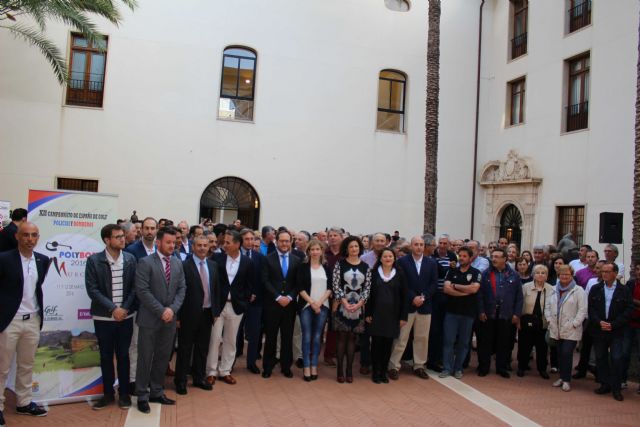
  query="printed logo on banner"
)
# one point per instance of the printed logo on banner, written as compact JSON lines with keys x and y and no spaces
{"x":51,"y":313}
{"x":84,"y":313}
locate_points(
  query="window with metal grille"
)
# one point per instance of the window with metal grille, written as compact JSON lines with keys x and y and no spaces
{"x":85,"y":86}
{"x":77,"y":184}
{"x":519,"y":40}
{"x":571,"y":220}
{"x":579,"y":14}
{"x":237,"y":86}
{"x":391,"y":96}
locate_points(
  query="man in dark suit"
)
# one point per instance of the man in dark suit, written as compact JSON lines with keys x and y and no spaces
{"x":421,"y":273}
{"x":197,"y":314}
{"x":22,"y":272}
{"x":236,"y":282}
{"x":160,"y":289}
{"x":109,"y":280}
{"x":145,"y":246}
{"x":280,"y":307}
{"x":8,"y":234}
{"x":610,"y":308}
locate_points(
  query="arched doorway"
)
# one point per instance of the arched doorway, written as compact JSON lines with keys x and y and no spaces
{"x":228,"y":198}
{"x":511,"y":225}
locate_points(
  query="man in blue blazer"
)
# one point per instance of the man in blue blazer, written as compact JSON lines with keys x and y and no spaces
{"x":22,"y":272}
{"x":421,"y":273}
{"x":145,"y":246}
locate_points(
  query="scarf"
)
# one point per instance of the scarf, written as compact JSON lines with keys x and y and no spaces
{"x":385,"y":278}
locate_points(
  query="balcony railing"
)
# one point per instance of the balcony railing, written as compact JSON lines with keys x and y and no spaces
{"x":87,"y":93}
{"x":578,"y":116}
{"x":518,"y":45}
{"x":580,"y":16}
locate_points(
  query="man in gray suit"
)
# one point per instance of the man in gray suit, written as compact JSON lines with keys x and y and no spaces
{"x":160,"y":288}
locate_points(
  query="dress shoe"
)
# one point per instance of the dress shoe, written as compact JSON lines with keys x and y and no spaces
{"x":618,"y":396}
{"x":544,"y":374}
{"x":170,"y":372}
{"x":314,"y":377}
{"x":376,"y":380}
{"x":602,"y":390}
{"x":520,"y":373}
{"x":504,"y":374}
{"x":124,"y":402}
{"x":299,"y":363}
{"x":229,"y":379}
{"x":181,"y":389}
{"x":307,"y":378}
{"x":287,"y":373}
{"x":31,"y":409}
{"x":211,"y":380}
{"x":266,"y":374}
{"x":421,"y":373}
{"x":340,"y":380}
{"x":394,"y":374}
{"x":143,"y":406}
{"x":203,"y":385}
{"x":482,"y":373}
{"x":163,"y":400}
{"x":103,"y":402}
{"x":384,"y":379}
{"x":349,"y":380}
{"x":579,"y":374}
{"x":364,"y":370}
{"x":253,"y":369}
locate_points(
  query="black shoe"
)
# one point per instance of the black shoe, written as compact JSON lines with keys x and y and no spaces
{"x":504,"y":374}
{"x":603,"y":389}
{"x":482,"y":373}
{"x":132,"y":389}
{"x":384,"y":379}
{"x":520,"y":373}
{"x":124,"y":402}
{"x":618,"y":396}
{"x":434,"y":367}
{"x":2,"y":423}
{"x":203,"y":385}
{"x":253,"y":369}
{"x":163,"y":400}
{"x":287,"y":373}
{"x":32,"y":409}
{"x":103,"y":402}
{"x":266,"y":374}
{"x":143,"y":406}
{"x":314,"y":377}
{"x":376,"y":379}
{"x":544,"y":374}
{"x":579,"y":374}
{"x":299,"y":364}
{"x":307,"y":378}
{"x":181,"y":389}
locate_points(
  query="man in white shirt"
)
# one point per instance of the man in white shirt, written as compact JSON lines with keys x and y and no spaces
{"x":581,"y":262}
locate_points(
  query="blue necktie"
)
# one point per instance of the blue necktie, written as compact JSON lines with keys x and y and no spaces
{"x":285,"y":265}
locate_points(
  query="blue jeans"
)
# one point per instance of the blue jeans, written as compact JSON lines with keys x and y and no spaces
{"x":457,"y":332}
{"x":565,"y":358}
{"x":609,"y":359}
{"x":312,"y":325}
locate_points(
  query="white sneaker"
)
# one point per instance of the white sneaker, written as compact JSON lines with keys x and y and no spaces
{"x":443,"y":374}
{"x":457,"y":375}
{"x":557,"y":383}
{"x":566,"y":386}
{"x":554,"y":370}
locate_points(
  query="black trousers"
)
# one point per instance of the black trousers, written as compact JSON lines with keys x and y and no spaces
{"x":494,"y":334}
{"x":436,"y":330}
{"x":527,"y":339}
{"x":609,"y":359}
{"x":114,"y":337}
{"x":253,"y":330}
{"x":380,"y":354}
{"x":585,"y":348}
{"x":278,"y":319}
{"x":193,"y":347}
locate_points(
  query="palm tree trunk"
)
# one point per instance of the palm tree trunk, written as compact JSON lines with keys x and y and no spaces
{"x":432,"y":107}
{"x":635,"y":238}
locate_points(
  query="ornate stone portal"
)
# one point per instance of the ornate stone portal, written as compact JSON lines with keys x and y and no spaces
{"x":506,"y":183}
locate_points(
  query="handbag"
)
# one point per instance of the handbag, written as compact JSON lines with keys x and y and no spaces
{"x":533,"y":322}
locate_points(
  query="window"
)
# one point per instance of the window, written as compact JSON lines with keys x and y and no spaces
{"x":579,"y":14}
{"x":391,"y":91}
{"x":237,"y":87}
{"x":86,"y":72}
{"x":571,"y":220}
{"x":516,"y":104}
{"x":578,"y":102}
{"x":519,"y":30}
{"x":397,"y":5}
{"x":77,"y":184}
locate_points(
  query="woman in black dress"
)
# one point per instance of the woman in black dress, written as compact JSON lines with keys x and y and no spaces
{"x":351,"y":284}
{"x":386,"y":311}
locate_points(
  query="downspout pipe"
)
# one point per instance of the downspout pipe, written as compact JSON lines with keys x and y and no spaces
{"x":475,"y":139}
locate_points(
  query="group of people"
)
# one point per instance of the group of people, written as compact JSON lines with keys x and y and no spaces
{"x":421,"y":301}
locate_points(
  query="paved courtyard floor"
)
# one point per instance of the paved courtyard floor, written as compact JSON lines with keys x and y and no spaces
{"x":279,"y":401}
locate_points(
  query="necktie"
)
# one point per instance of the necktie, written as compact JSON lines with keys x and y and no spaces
{"x":167,"y":270}
{"x":206,"y":302}
{"x":285,"y":265}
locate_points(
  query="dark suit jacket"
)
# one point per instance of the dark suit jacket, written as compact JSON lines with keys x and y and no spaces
{"x":12,"y":284}
{"x":619,"y":311}
{"x":275,"y":285}
{"x":303,"y":281}
{"x":258,"y":286}
{"x":154,"y":293}
{"x":183,"y":250}
{"x":137,"y":249}
{"x":97,"y":279}
{"x":424,"y":283}
{"x":8,"y":237}
{"x":241,"y":286}
{"x":194,"y":296}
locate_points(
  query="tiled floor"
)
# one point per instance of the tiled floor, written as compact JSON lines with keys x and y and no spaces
{"x":279,"y":401}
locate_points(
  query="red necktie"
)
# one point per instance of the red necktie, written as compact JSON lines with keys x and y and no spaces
{"x":167,"y":270}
